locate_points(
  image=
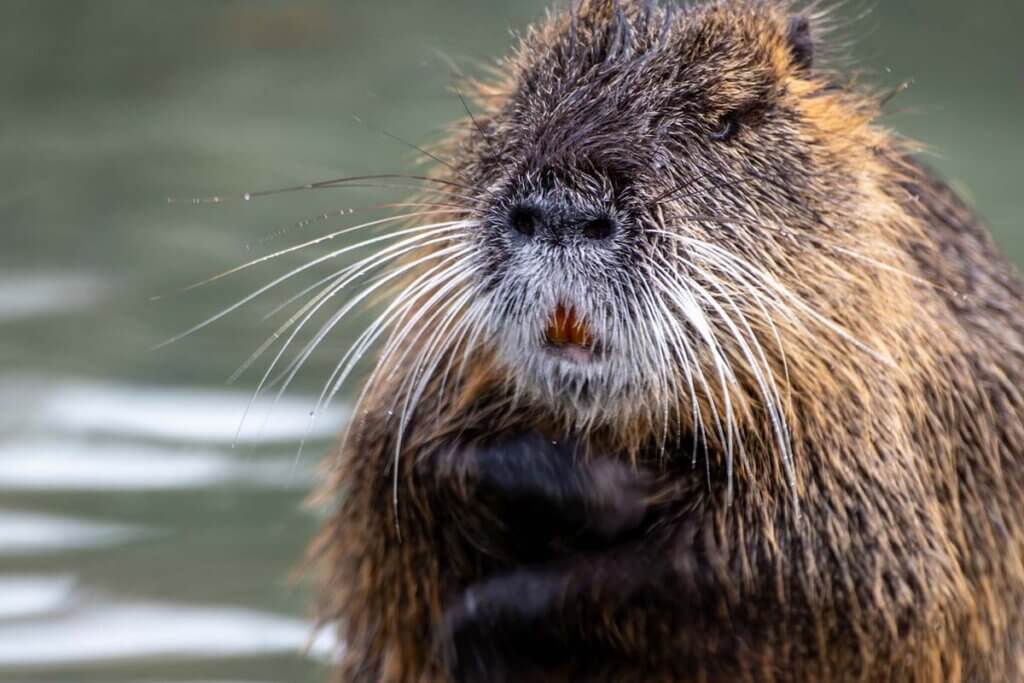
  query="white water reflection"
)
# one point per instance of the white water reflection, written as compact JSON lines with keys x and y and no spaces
{"x":136,"y":631}
{"x":179,"y":415}
{"x":94,"y":438}
{"x":31,"y":596}
{"x":24,"y":533}
{"x":39,"y":464}
{"x":32,"y":295}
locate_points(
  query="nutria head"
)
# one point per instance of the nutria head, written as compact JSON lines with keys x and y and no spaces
{"x":660,"y":204}
{"x":671,"y":224}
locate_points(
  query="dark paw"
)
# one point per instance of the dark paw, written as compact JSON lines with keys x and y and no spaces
{"x":618,"y":499}
{"x":543,"y":489}
{"x":498,"y":630}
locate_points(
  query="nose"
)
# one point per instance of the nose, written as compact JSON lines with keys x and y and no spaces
{"x":531,"y":222}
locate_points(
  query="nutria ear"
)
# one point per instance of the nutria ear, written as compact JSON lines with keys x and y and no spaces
{"x":801,"y":44}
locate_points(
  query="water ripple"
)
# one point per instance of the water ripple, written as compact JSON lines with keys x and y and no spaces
{"x":24,"y":533}
{"x":134,"y":631}
{"x":179,"y":415}
{"x":38,"y":464}
{"x":38,"y":294}
{"x":31,"y":596}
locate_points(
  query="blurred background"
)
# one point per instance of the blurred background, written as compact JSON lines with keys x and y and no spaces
{"x":146,"y":532}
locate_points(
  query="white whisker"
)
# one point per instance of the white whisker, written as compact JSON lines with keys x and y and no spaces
{"x":306,"y":266}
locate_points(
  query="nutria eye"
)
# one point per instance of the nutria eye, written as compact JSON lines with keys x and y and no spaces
{"x":524,"y":221}
{"x":728,"y":127}
{"x":599,"y":229}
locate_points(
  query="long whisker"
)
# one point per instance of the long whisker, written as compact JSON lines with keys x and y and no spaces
{"x":315,"y":262}
{"x":351,"y":211}
{"x":686,"y":303}
{"x":395,"y":312}
{"x":781,"y":290}
{"x":758,"y":364}
{"x":319,"y":240}
{"x":689,"y":307}
{"x":469,"y":112}
{"x":674,"y":193}
{"x":362,"y":296}
{"x":413,"y":398}
{"x":691,"y":369}
{"x":295,"y":297}
{"x":764,"y":225}
{"x":668,"y":381}
{"x":289,"y":373}
{"x":893,"y":269}
{"x":352,"y":358}
{"x":688,"y":362}
{"x":341,"y":279}
{"x":408,"y":144}
{"x":319,"y":185}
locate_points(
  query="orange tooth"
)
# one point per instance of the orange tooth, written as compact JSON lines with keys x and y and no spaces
{"x":565,"y":327}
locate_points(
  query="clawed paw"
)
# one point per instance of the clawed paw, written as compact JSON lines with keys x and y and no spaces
{"x":497,"y":630}
{"x":567,"y":512}
{"x":545,"y":491}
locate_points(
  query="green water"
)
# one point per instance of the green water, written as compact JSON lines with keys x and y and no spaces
{"x":108,"y":108}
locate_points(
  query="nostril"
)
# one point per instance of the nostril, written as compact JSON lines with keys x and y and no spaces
{"x":524,"y":220}
{"x":599,"y":229}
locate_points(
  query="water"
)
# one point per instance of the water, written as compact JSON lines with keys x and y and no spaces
{"x":145,"y":536}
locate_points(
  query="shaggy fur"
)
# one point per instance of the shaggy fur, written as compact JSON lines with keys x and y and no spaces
{"x":797,"y":454}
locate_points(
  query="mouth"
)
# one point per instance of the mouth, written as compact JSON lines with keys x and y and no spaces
{"x":569,"y":336}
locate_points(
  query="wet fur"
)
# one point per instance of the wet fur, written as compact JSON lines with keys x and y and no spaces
{"x":877,"y":537}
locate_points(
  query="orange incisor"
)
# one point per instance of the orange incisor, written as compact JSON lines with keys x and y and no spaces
{"x":565,"y":327}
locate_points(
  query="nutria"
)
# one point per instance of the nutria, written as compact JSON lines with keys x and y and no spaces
{"x":694,"y":374}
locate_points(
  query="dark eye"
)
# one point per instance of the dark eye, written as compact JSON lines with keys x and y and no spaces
{"x":728,"y":127}
{"x":599,"y":229}
{"x":523,"y":220}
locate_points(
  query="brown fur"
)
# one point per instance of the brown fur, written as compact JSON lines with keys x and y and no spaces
{"x":891,"y":552}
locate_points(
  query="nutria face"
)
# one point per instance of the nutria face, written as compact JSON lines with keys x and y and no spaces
{"x":563,"y":241}
{"x":644,"y":181}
